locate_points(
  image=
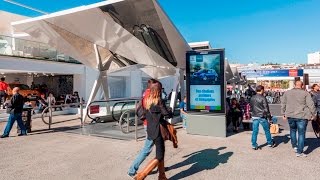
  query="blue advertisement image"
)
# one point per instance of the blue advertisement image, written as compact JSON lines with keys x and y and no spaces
{"x":205,"y":69}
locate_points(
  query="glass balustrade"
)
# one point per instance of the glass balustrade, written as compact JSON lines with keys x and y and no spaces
{"x":17,"y":47}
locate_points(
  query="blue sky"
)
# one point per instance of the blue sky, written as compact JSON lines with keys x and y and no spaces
{"x":250,"y":30}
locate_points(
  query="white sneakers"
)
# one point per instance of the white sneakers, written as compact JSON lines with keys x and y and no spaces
{"x":301,"y":155}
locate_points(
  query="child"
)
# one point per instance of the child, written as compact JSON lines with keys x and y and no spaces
{"x":183,"y":112}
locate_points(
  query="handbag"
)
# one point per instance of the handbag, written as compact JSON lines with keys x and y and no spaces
{"x":164,"y":132}
{"x":168,"y":132}
{"x":274,"y":128}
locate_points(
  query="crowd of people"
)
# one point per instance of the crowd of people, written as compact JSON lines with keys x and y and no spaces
{"x":273,"y":96}
{"x":39,"y":104}
{"x":298,"y":106}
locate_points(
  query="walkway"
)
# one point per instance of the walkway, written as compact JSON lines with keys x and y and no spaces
{"x":60,"y":155}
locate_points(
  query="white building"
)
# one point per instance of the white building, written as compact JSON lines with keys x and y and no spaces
{"x":314,"y":58}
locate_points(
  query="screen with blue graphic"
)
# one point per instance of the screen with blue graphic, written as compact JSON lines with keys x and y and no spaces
{"x":205,"y":81}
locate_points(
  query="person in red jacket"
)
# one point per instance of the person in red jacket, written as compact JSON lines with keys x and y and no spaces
{"x":3,"y":92}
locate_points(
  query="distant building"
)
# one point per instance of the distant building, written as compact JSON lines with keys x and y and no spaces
{"x":314,"y":58}
{"x":204,"y":45}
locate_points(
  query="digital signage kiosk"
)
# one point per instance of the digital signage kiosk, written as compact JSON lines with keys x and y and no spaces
{"x":205,"y":92}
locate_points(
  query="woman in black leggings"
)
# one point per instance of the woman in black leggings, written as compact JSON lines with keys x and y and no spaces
{"x":155,"y":111}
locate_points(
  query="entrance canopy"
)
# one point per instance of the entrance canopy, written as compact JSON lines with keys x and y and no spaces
{"x":124,"y":32}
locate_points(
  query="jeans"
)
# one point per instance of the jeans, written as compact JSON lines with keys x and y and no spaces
{"x":301,"y":126}
{"x":184,"y":120}
{"x":146,"y":150}
{"x":12,"y":118}
{"x":255,"y":131}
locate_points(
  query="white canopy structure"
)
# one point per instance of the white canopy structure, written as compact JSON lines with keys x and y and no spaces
{"x":112,"y":35}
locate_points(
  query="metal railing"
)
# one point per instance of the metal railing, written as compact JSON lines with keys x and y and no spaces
{"x":125,"y":118}
{"x":10,"y":46}
{"x":49,"y":110}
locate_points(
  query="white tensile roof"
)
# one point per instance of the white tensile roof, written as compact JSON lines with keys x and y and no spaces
{"x":109,"y":25}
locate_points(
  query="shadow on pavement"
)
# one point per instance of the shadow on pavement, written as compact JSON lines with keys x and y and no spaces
{"x":206,"y":159}
{"x":53,"y":130}
{"x":312,"y":143}
{"x":281,"y":139}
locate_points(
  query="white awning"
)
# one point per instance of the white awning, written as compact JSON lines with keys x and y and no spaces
{"x":109,"y":25}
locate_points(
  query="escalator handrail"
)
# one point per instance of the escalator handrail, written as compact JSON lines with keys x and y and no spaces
{"x":112,"y":111}
{"x":124,"y":106}
{"x":110,"y":100}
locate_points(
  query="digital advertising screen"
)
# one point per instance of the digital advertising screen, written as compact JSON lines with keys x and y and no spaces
{"x":205,"y":81}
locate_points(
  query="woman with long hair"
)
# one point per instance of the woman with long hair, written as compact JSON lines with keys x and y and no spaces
{"x":155,"y":113}
{"x":147,"y":148}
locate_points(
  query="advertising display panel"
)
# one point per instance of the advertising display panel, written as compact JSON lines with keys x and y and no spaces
{"x":273,"y":73}
{"x":205,"y":81}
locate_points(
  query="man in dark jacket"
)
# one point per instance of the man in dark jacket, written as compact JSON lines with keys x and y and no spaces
{"x":260,"y":113}
{"x":15,"y":109}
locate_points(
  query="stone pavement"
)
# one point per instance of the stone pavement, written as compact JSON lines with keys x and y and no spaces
{"x":57,"y":154}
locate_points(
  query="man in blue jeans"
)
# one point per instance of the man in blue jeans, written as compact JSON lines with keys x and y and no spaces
{"x":297,"y":107}
{"x":260,"y":113}
{"x":15,"y":109}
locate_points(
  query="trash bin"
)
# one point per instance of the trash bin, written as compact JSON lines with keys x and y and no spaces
{"x":26,"y":118}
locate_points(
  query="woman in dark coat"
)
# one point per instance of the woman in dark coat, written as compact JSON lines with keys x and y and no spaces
{"x":235,"y":113}
{"x":155,"y":113}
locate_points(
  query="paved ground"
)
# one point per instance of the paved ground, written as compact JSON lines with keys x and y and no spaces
{"x":57,"y":155}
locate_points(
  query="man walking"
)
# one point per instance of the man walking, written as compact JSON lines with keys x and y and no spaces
{"x":3,"y":92}
{"x":297,"y":107}
{"x":260,"y":113}
{"x":15,"y":109}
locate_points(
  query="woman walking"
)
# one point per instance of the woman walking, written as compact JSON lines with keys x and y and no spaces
{"x":155,"y":112}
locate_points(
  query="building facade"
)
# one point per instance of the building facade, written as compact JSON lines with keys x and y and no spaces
{"x":314,"y":58}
